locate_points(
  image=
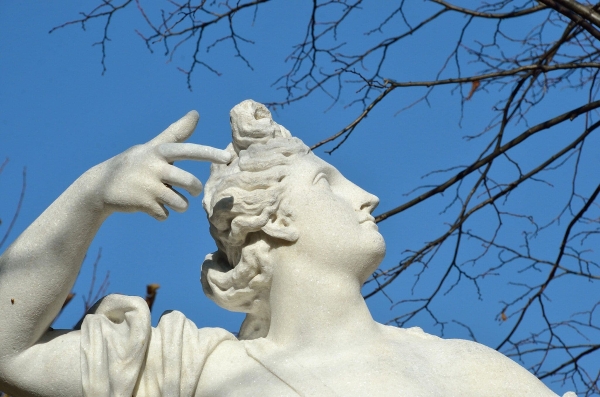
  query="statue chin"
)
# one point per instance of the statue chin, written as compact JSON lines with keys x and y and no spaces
{"x":377,"y":253}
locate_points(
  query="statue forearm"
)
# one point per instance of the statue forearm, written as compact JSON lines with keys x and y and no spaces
{"x":39,"y":269}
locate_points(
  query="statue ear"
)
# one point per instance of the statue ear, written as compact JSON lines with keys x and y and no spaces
{"x":280,"y":226}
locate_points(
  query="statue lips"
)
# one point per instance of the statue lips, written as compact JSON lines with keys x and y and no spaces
{"x":368,"y":218}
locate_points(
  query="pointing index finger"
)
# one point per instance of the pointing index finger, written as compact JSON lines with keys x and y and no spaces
{"x":191,"y":151}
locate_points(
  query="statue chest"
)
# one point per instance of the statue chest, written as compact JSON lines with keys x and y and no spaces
{"x":233,"y":370}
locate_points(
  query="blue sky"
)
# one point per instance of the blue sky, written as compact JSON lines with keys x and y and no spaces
{"x":60,"y":116}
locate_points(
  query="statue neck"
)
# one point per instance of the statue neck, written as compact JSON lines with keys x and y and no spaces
{"x":315,"y":310}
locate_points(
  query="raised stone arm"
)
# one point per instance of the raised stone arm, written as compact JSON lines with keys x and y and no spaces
{"x":38,"y":270}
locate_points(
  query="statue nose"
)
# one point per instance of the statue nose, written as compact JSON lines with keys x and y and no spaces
{"x":360,"y":199}
{"x":368,"y":202}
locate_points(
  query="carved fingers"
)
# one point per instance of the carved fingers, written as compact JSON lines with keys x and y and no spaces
{"x":143,"y":178}
{"x":179,"y":131}
{"x":175,"y":176}
{"x":173,"y":199}
{"x":191,"y":151}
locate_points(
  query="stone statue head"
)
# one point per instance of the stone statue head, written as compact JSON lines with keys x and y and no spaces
{"x":251,"y":213}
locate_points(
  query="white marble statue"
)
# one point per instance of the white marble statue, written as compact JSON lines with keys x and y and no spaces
{"x":296,"y":241}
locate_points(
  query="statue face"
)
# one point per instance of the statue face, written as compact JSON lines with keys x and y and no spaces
{"x":333,"y":218}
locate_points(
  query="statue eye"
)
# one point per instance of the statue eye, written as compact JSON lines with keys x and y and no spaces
{"x":321,"y":179}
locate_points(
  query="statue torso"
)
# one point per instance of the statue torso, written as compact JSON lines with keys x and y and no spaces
{"x":404,"y":362}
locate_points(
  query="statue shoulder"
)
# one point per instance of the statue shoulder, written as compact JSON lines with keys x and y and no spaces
{"x":468,"y":366}
{"x":489,"y":367}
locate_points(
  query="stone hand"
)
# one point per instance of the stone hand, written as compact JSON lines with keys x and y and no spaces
{"x":142,"y":177}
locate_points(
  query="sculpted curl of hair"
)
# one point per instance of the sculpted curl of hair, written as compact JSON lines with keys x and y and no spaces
{"x":246,"y":205}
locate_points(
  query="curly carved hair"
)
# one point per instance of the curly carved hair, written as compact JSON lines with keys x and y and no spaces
{"x":247,"y":209}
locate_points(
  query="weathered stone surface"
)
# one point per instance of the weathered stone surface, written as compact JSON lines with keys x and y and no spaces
{"x":296,"y":242}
